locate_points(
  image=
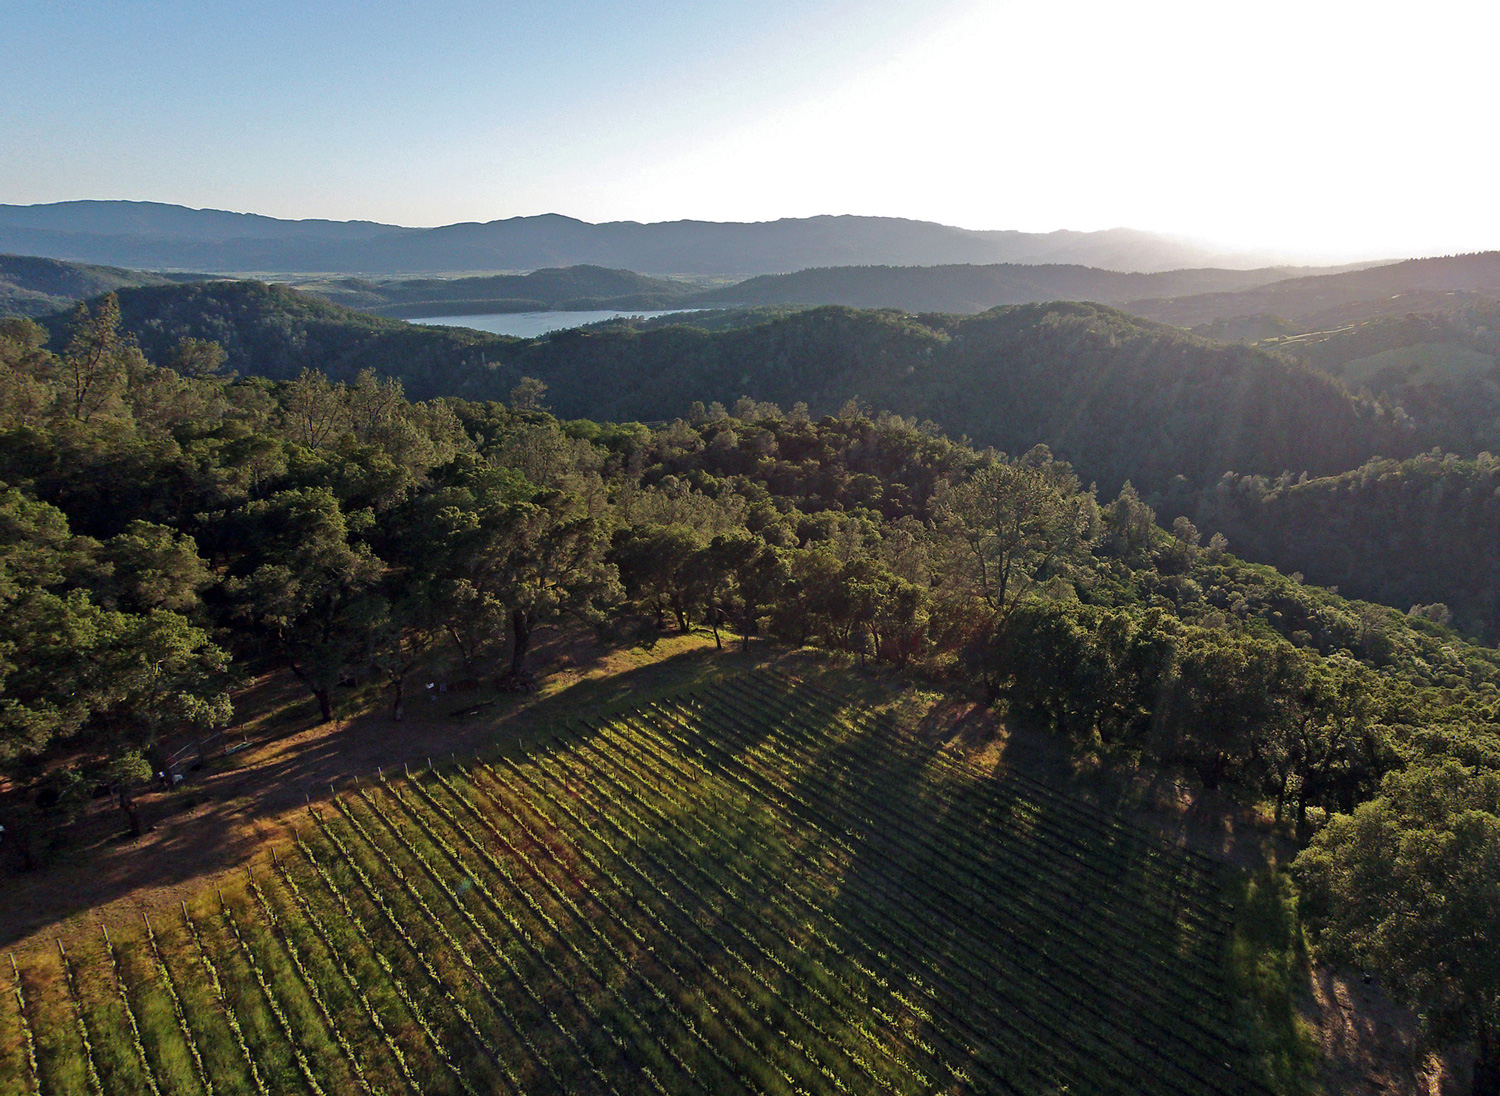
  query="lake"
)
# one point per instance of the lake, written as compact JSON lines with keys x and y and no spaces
{"x":529,"y":325}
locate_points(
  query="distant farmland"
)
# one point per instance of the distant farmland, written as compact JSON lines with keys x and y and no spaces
{"x":759,"y":887}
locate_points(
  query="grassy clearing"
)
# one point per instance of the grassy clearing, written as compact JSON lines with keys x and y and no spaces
{"x":1269,"y":963}
{"x":720,"y":883}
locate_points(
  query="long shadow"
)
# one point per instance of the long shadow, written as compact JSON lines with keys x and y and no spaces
{"x":241,"y":807}
{"x":1036,"y":941}
{"x":1054,"y":947}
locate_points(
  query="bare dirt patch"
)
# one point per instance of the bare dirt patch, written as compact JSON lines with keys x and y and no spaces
{"x":1370,"y":1044}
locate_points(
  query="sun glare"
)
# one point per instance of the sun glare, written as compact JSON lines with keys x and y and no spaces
{"x":1320,"y":130}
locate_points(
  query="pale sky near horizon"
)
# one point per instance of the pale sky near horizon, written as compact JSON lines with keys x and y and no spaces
{"x":1314,"y":129}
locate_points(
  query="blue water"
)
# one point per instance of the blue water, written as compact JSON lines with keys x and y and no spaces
{"x":528,"y":325}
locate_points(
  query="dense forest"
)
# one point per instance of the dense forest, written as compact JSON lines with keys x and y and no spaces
{"x":165,"y":527}
{"x":1119,"y":397}
{"x":1408,"y":532}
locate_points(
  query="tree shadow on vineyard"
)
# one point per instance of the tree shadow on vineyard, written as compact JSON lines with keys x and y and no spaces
{"x":1047,"y":944}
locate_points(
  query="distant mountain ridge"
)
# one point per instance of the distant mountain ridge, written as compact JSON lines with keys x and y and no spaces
{"x":157,"y":235}
{"x":157,"y":219}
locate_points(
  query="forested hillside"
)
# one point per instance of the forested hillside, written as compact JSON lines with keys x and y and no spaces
{"x":1406,"y":533}
{"x":164,"y":528}
{"x":276,"y":332}
{"x":1122,"y":399}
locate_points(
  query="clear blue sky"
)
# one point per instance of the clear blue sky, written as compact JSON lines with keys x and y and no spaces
{"x":1316,"y":128}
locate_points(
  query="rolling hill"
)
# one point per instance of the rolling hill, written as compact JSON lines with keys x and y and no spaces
{"x":971,"y":288}
{"x":1333,"y":300}
{"x":1441,"y":368}
{"x":30,"y":286}
{"x":1228,"y":304}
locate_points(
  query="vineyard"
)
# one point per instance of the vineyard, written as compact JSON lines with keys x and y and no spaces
{"x":759,"y":887}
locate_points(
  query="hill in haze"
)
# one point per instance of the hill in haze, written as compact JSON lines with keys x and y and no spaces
{"x":955,"y":288}
{"x":571,"y":288}
{"x":30,"y":286}
{"x":1331,"y":300}
{"x":151,"y":234}
{"x":973,"y":288}
{"x":1226,"y":304}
